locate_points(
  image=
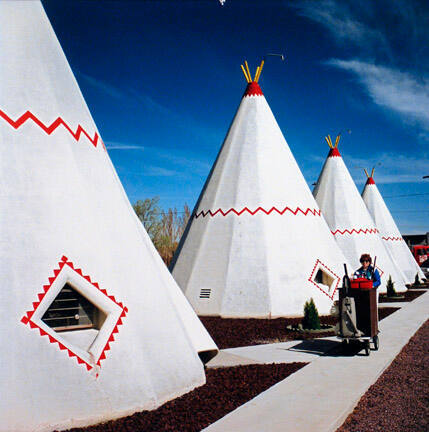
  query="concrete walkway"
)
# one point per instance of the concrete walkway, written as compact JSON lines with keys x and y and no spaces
{"x":283,"y":352}
{"x":320,"y":396}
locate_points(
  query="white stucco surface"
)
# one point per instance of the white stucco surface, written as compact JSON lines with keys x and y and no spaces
{"x":60,"y":196}
{"x":349,"y":220}
{"x":256,"y":264}
{"x":389,"y":232}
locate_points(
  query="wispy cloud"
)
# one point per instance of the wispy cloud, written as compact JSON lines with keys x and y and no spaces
{"x":345,"y":21}
{"x":386,"y":41}
{"x":389,"y":168}
{"x":187,"y":163}
{"x":115,"y":145}
{"x":156,"y":171}
{"x":399,"y":91}
{"x":163,"y":162}
{"x":180,"y":119}
{"x":128,"y":93}
{"x":102,"y":86}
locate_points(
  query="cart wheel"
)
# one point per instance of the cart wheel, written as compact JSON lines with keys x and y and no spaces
{"x":375,"y":342}
{"x":367,"y":350}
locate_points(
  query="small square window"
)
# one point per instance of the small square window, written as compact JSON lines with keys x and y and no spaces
{"x":324,"y":279}
{"x":70,"y":310}
{"x":75,"y":313}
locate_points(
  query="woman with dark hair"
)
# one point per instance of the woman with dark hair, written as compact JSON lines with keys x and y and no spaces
{"x":367,"y":271}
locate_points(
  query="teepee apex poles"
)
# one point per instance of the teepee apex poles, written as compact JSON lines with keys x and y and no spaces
{"x":329,"y":141}
{"x":247,"y":74}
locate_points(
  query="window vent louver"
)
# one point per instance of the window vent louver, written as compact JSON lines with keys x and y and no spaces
{"x":205,"y":293}
{"x":71,"y":311}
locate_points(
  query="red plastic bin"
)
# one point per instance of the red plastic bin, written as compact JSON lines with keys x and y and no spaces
{"x":361,"y":283}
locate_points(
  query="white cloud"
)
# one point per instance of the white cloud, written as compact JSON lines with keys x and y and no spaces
{"x":115,"y":145}
{"x":345,"y":21}
{"x":389,"y":168}
{"x":156,"y":171}
{"x":390,"y":88}
{"x":103,"y":86}
{"x":397,"y":80}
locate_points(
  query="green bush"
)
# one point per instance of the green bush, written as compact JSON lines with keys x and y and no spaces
{"x":390,"y":287}
{"x":311,"y":319}
{"x":417,"y":280}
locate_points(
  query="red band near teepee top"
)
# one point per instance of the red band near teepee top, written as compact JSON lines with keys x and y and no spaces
{"x":370,"y":181}
{"x":334,"y":152}
{"x":253,"y":89}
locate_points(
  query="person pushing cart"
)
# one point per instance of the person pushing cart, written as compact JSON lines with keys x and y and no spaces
{"x":358,"y":305}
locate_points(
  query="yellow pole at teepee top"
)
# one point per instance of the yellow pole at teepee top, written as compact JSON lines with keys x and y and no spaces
{"x":372,"y":172}
{"x":245,"y":73}
{"x":337,"y":140}
{"x":366,"y":172}
{"x":260,"y":70}
{"x":247,"y":69}
{"x":328,"y":140}
{"x":256,"y":74}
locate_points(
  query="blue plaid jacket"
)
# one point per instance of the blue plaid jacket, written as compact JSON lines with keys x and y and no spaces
{"x":361,"y":273}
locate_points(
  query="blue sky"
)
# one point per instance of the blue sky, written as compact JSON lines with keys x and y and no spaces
{"x":163,"y":81}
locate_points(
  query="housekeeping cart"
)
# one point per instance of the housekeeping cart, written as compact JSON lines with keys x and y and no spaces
{"x":358,"y":313}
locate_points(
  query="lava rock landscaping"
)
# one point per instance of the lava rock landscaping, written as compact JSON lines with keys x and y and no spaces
{"x":237,"y":332}
{"x":226,"y":389}
{"x":398,"y":400}
{"x":402,"y":297}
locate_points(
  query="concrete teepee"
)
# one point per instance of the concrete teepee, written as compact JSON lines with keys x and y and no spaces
{"x":388,"y":230}
{"x":256,"y":244}
{"x":349,"y":220}
{"x":93,"y":326}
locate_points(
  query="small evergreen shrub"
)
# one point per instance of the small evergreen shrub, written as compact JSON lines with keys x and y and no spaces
{"x":311,"y":319}
{"x":390,"y":287}
{"x":417,"y":280}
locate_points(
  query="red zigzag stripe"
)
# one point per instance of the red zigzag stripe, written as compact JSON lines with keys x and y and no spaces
{"x":51,"y":128}
{"x":203,"y":213}
{"x":392,"y":238}
{"x":360,"y":231}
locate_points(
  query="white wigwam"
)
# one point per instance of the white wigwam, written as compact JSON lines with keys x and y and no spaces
{"x":388,"y":230}
{"x":93,"y":325}
{"x":257,"y":244}
{"x":349,"y":220}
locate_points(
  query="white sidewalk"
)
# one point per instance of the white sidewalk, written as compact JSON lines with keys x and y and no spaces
{"x":320,"y":396}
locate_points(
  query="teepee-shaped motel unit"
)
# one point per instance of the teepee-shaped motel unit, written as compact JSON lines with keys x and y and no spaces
{"x":388,"y":230}
{"x":256,"y":244}
{"x":349,"y":220}
{"x":93,"y":326}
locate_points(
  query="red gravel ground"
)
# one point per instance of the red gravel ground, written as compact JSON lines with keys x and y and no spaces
{"x":385,"y":312}
{"x":398,"y":401}
{"x":226,"y":389}
{"x":408,"y":296}
{"x":235,"y":332}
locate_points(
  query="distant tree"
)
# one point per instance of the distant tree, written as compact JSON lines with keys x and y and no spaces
{"x":172,"y":227}
{"x":184,"y":219}
{"x":417,"y":279}
{"x":311,"y":319}
{"x":390,"y":286}
{"x":165,"y":228}
{"x":149,"y":212}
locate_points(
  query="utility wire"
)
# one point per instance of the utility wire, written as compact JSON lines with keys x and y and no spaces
{"x":408,"y":195}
